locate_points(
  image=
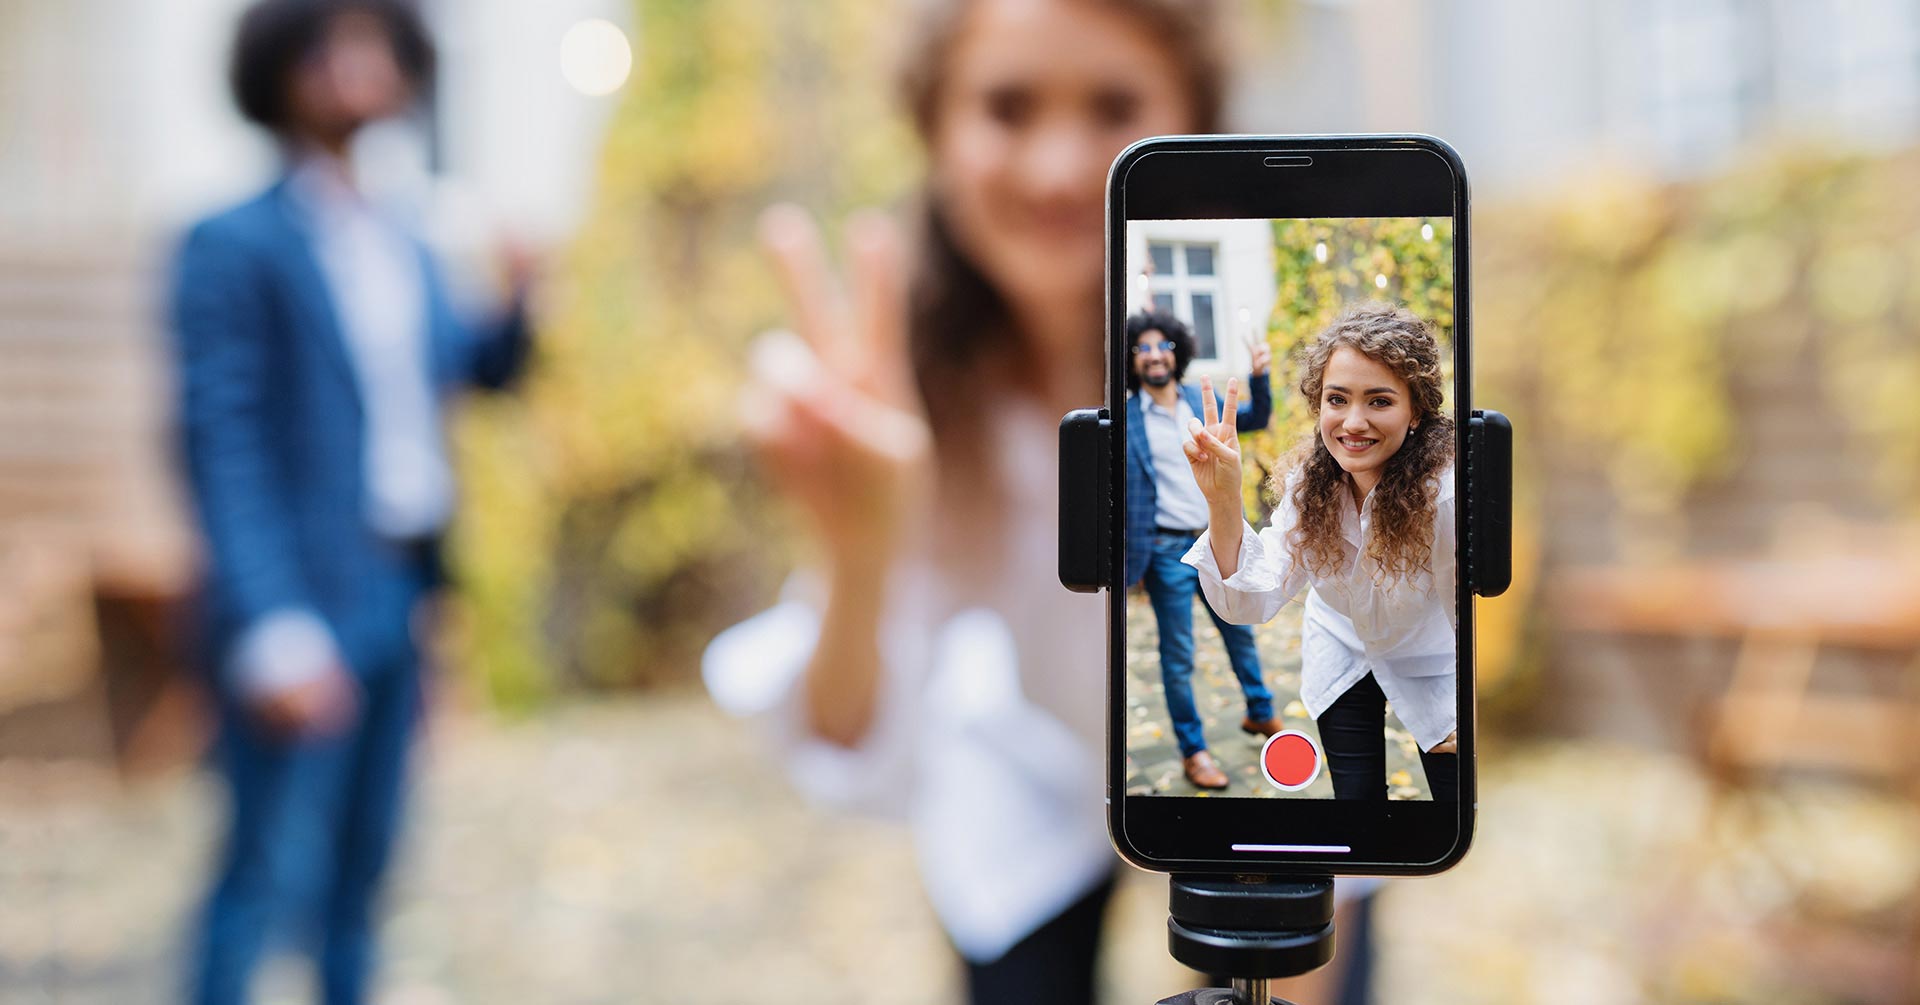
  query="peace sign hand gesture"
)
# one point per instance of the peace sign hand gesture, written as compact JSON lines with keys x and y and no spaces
{"x":1260,"y":355}
{"x":1213,"y":449}
{"x":839,"y":425}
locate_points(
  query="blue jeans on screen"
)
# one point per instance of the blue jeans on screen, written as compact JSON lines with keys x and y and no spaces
{"x":1171,"y":586}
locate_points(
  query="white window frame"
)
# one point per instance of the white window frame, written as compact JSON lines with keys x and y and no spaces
{"x":1183,"y":286}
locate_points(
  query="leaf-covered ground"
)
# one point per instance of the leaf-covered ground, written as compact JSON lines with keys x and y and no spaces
{"x":646,"y":849}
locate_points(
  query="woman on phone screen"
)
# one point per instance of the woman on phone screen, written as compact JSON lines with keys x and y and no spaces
{"x":1365,"y":524}
{"x":931,"y":664}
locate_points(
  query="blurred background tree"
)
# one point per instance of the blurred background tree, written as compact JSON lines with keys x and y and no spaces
{"x":1321,"y":266}
{"x":615,"y":524}
{"x":1698,"y":371}
{"x":1620,"y":320}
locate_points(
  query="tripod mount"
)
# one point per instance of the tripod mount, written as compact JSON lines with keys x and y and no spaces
{"x":1249,"y":929}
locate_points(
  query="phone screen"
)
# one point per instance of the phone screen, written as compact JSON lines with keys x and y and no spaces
{"x":1291,"y":682}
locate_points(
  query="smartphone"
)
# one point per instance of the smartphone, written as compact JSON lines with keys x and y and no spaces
{"x":1316,"y":668}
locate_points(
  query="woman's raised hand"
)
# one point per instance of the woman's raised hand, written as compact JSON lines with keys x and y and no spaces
{"x":836,"y":419}
{"x":1213,"y":448}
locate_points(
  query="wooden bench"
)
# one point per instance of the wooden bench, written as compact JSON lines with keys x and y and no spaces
{"x":1855,"y":589}
{"x":1782,"y":613}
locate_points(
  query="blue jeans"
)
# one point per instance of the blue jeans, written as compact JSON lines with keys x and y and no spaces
{"x":1171,"y":586}
{"x":313,"y":827}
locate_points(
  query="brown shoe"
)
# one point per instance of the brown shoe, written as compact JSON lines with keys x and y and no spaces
{"x":1203,"y":772}
{"x":1262,"y":729}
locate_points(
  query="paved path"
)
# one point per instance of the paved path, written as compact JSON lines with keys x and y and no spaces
{"x":641,"y":850}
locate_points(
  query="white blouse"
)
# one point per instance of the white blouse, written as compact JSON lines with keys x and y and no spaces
{"x":989,"y":730}
{"x":1401,"y":632}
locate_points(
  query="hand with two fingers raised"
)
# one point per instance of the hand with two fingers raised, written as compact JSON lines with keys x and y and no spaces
{"x":1261,"y":354}
{"x":1213,"y":452}
{"x":840,"y":429}
{"x":839,"y":425}
{"x":1213,"y":449}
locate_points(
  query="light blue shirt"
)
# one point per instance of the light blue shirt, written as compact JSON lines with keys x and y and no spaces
{"x":1177,"y":499}
{"x":372,"y":270}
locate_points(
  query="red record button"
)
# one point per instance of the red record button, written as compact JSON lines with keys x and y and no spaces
{"x":1290,"y":760}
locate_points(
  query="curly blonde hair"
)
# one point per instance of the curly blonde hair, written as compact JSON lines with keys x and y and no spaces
{"x":1401,"y":538}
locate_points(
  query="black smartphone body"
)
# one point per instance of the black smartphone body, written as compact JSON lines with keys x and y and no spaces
{"x":1318,"y":677}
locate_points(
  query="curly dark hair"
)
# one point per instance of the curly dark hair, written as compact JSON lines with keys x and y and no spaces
{"x":275,"y":35}
{"x":1166,"y":324}
{"x":1401,"y":536}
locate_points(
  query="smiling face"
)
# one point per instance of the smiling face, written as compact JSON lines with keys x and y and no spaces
{"x":1366,"y":413}
{"x":1153,"y":358}
{"x":1039,"y":97}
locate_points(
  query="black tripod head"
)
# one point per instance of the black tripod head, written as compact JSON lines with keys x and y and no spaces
{"x":1250,"y":929}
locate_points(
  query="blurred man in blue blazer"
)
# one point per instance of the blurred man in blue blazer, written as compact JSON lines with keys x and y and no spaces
{"x":317,"y":351}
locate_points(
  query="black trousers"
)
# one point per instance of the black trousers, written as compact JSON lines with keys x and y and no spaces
{"x":1052,"y":966}
{"x":1353,"y":731}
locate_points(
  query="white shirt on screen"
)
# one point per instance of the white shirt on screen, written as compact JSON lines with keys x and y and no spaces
{"x":1401,"y":632}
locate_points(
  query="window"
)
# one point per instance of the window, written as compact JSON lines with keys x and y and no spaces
{"x":1186,"y":283}
{"x":1853,"y":65}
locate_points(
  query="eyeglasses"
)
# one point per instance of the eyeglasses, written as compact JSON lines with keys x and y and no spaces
{"x":1153,"y":347}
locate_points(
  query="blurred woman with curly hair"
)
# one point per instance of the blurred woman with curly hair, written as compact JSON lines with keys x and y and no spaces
{"x":928,"y":664}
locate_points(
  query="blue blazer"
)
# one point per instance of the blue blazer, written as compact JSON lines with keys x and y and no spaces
{"x":272,"y":433}
{"x":1142,"y":501}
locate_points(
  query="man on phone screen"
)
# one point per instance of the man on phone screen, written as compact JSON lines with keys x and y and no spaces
{"x":1166,"y":513}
